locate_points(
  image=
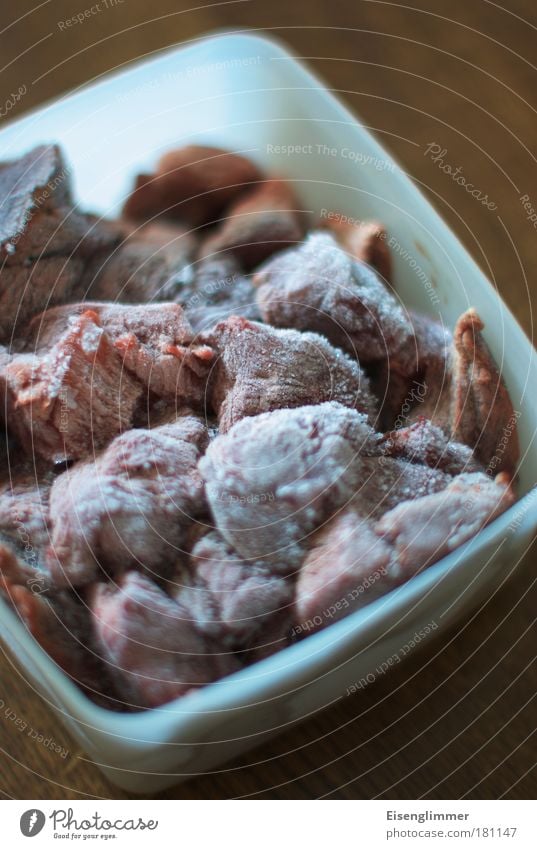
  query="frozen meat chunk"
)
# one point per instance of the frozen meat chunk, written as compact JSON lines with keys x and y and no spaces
{"x":148,"y":264}
{"x":217,"y":289}
{"x":246,"y":606}
{"x":425,"y":443}
{"x":193,"y":184}
{"x":260,"y":368}
{"x":427,"y":529}
{"x":273,"y":478}
{"x":44,"y":242}
{"x":265,"y":220}
{"x":132,"y":506}
{"x":149,"y":641}
{"x":317,"y":286}
{"x":366,"y":241}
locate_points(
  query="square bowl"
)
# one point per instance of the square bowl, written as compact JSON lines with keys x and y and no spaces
{"x":248,"y":94}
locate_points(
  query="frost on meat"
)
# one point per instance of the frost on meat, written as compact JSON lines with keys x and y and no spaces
{"x":318,"y":287}
{"x":260,"y":368}
{"x":131,"y":507}
{"x":244,"y":605}
{"x":91,"y":367}
{"x":274,"y":478}
{"x":150,"y":643}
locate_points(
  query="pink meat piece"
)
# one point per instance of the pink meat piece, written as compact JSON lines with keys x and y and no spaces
{"x":482,"y":414}
{"x":60,"y":623}
{"x":266,"y":219}
{"x":148,"y":264}
{"x":318,"y":287}
{"x":150,"y":643}
{"x":155,"y":342}
{"x":71,"y":400}
{"x":427,"y":529}
{"x":427,"y":444}
{"x":459,"y":388}
{"x":130,"y":507}
{"x":242,"y":605}
{"x":365,"y":241}
{"x":89,"y":369}
{"x":347,"y":567}
{"x":193,"y":184}
{"x":272,"y":479}
{"x":259,"y":368}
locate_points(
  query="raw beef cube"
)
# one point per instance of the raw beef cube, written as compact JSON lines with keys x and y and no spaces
{"x":274,"y":478}
{"x":149,"y":264}
{"x":259,"y":368}
{"x":44,"y":241}
{"x":72,"y":400}
{"x":347,"y":567}
{"x":242,"y":605}
{"x":150,"y":643}
{"x":458,"y":386}
{"x":427,"y":529}
{"x":193,"y":184}
{"x":482,"y":414}
{"x":318,"y":287}
{"x":265,"y":220}
{"x":61,"y":625}
{"x":131,"y":507}
{"x":366,"y":242}
{"x":154,"y":342}
{"x":426,"y":444}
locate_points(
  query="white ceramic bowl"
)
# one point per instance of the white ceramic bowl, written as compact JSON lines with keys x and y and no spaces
{"x":248,"y":94}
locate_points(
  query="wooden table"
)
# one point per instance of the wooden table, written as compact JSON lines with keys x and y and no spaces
{"x":457,"y":719}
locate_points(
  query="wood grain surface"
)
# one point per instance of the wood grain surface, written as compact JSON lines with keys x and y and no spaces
{"x":458,"y":718}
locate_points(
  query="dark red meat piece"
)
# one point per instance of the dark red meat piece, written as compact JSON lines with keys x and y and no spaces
{"x":149,"y":264}
{"x":265,"y":220}
{"x":193,"y":184}
{"x":44,"y":242}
